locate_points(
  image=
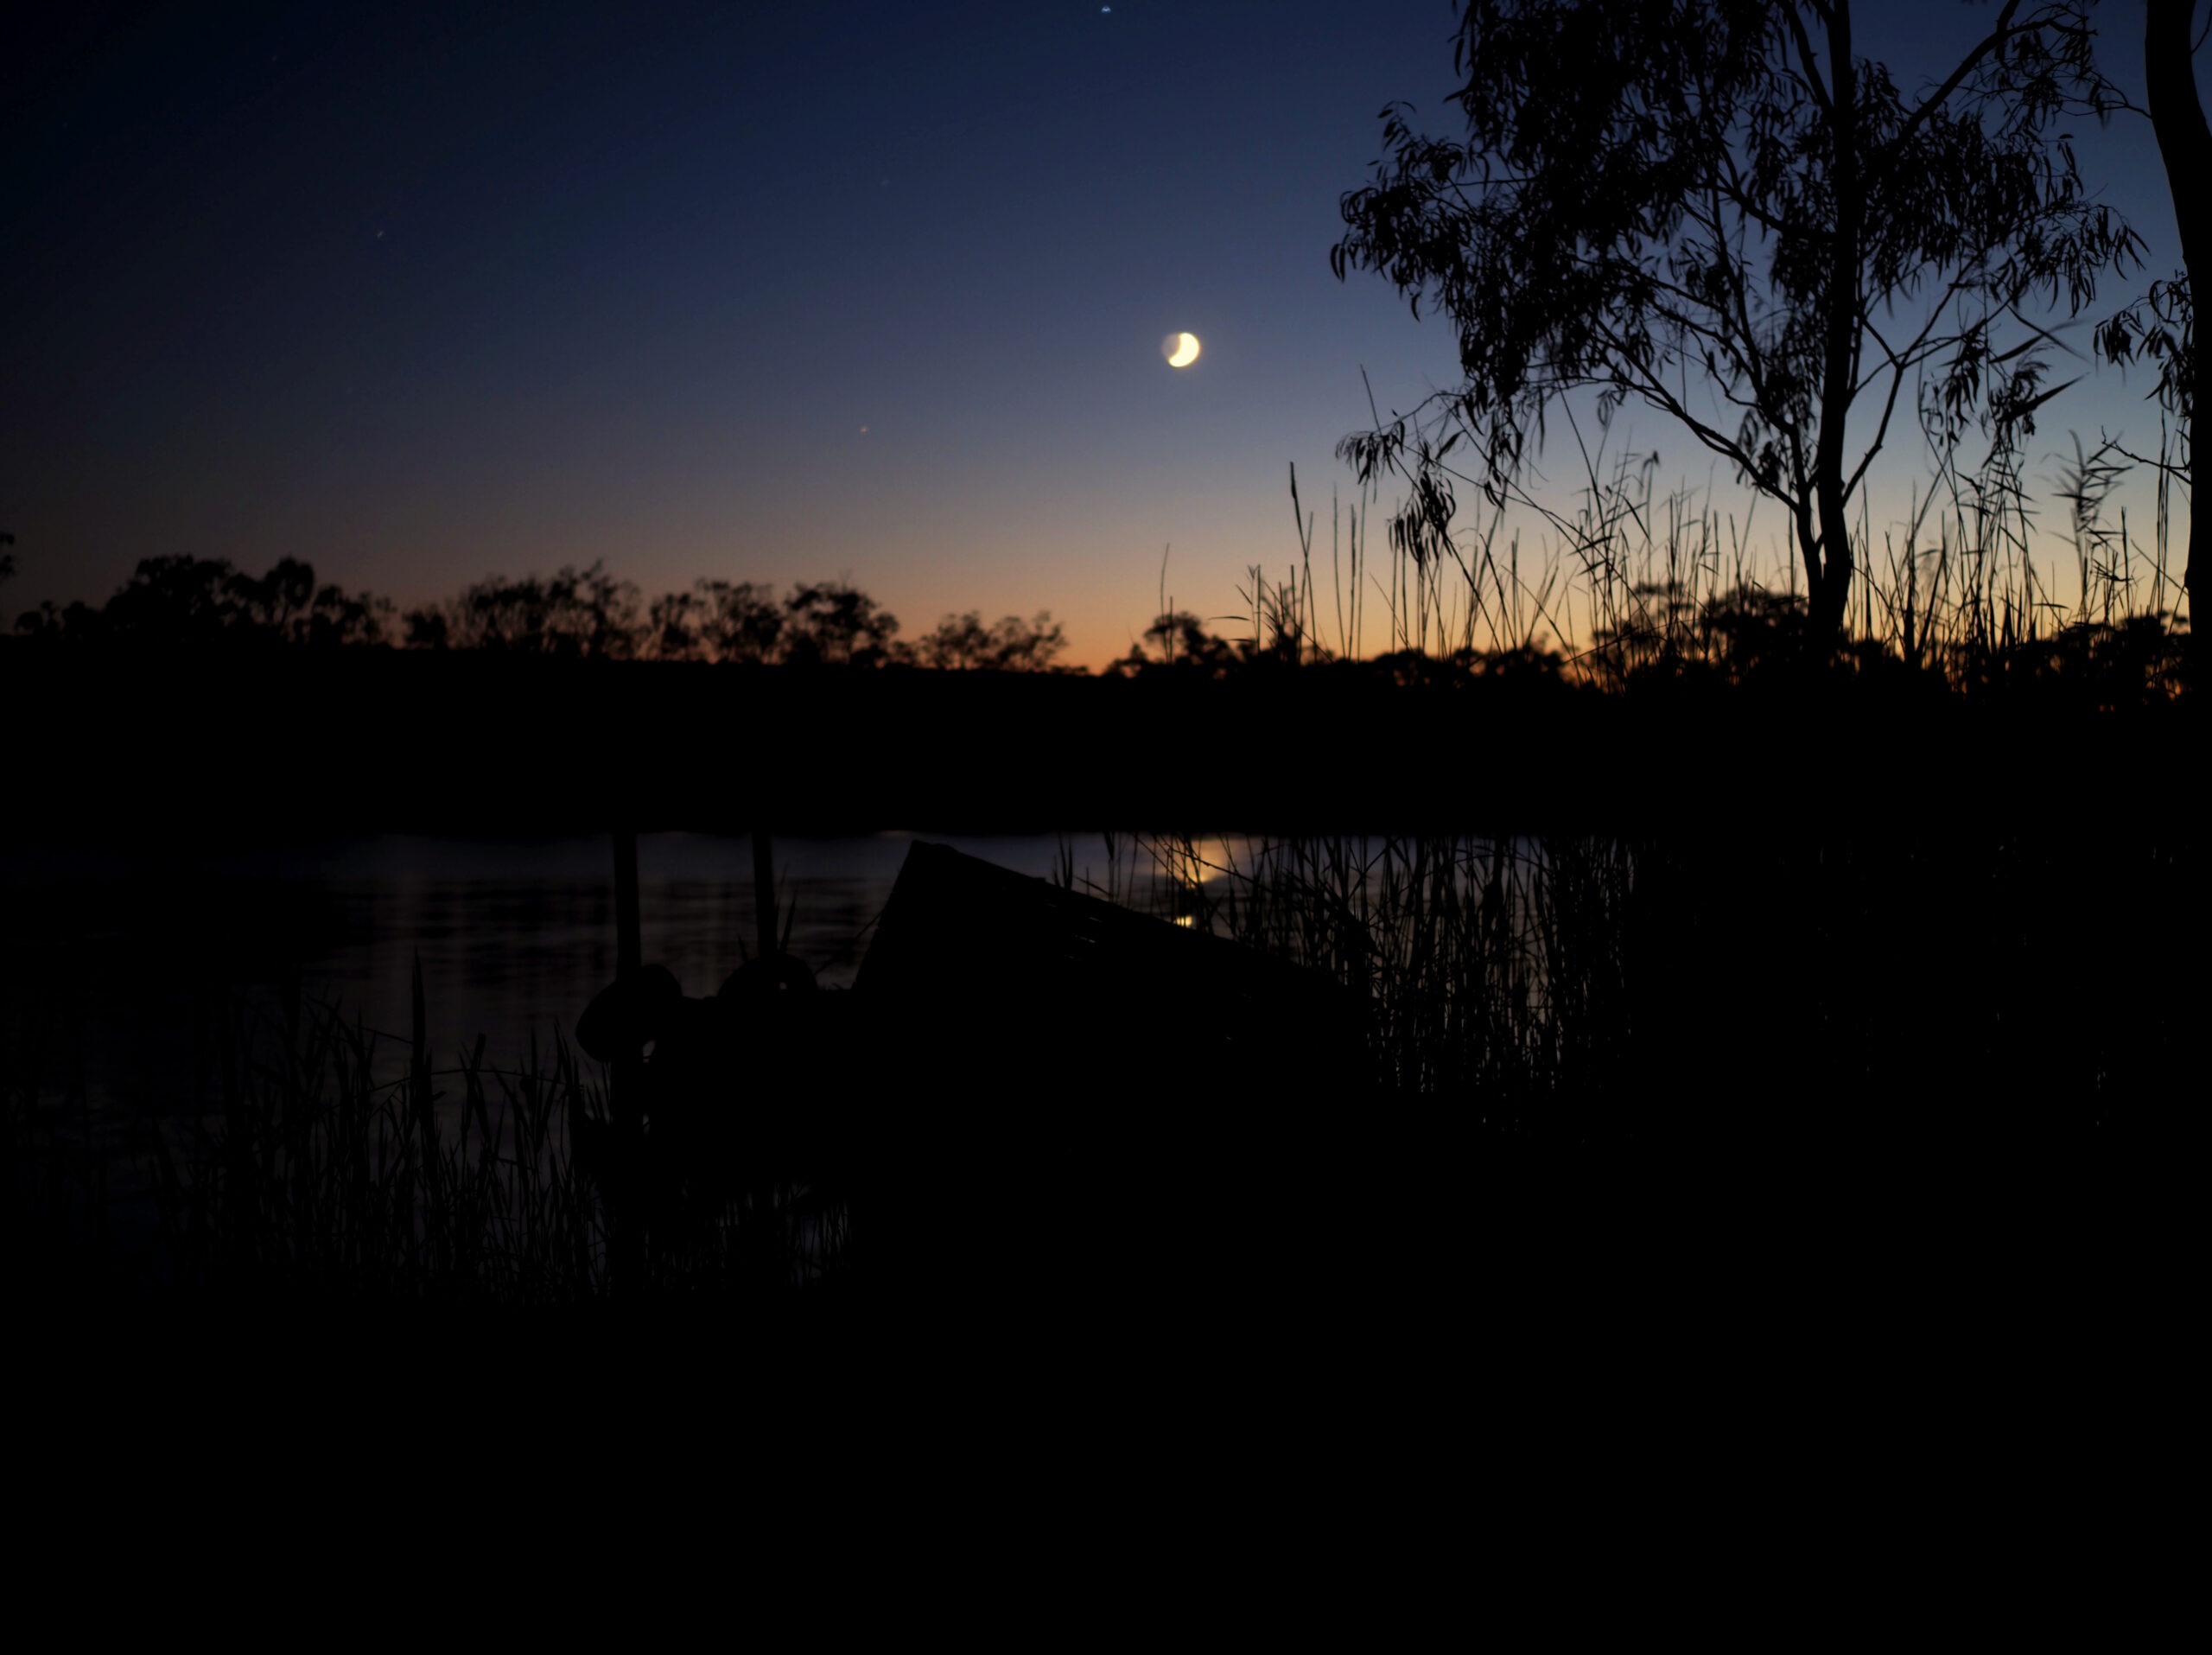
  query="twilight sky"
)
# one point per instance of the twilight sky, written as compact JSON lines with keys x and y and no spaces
{"x":768,"y":292}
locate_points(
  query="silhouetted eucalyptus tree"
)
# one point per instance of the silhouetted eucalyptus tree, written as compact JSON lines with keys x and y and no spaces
{"x":2163,"y":324}
{"x":833,"y":623}
{"x":829,"y":623}
{"x":1723,"y":189}
{"x":717,"y":621}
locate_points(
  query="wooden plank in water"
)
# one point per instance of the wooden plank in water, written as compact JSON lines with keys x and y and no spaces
{"x":1078,"y":1102}
{"x":1124,"y":1000}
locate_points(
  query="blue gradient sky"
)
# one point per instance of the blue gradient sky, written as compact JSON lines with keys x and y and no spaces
{"x":422,"y":293}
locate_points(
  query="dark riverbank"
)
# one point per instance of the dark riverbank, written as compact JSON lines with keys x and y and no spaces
{"x":221,"y":743}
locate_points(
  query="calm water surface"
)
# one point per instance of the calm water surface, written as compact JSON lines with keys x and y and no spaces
{"x":113,"y":963}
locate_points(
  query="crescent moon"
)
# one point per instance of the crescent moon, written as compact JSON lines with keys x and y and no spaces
{"x":1182,"y":349}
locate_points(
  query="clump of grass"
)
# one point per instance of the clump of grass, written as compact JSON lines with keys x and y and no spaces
{"x":1491,"y":969}
{"x":317,"y":1177}
{"x":315,"y":1172}
{"x":57,"y":1155}
{"x":1728,"y":991}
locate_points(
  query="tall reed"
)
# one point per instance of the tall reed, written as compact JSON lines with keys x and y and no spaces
{"x":1726,"y":990}
{"x":316,"y":1170}
{"x":1619,"y":581}
{"x":317,"y":1176}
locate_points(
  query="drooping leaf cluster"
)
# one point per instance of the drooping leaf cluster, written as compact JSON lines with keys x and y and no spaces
{"x":2160,"y":328}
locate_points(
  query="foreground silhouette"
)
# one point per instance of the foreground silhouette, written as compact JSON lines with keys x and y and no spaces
{"x":1026,"y":1086}
{"x":719,"y":1108}
{"x":1791,"y":1057}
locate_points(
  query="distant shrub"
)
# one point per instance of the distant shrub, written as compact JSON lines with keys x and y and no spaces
{"x":964,"y":643}
{"x":716,"y":620}
{"x":573,"y":612}
{"x":827,"y":623}
{"x":1178,"y":641}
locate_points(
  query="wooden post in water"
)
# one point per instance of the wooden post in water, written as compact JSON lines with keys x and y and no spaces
{"x":628,"y":950}
{"x":625,"y":1143}
{"x":763,"y":891}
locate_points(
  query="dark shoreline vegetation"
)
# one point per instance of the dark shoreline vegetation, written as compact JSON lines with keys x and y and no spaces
{"x":1701,"y":913}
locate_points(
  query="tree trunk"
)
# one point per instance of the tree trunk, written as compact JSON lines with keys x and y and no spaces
{"x":2185,"y":143}
{"x":1833,"y":593}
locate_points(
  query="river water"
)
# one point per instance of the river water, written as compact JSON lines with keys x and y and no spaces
{"x":115,"y":963}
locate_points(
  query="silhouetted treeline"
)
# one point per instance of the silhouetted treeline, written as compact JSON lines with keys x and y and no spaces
{"x":1664,"y":636}
{"x":310,"y":740}
{"x":200,"y":600}
{"x":573,"y":614}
